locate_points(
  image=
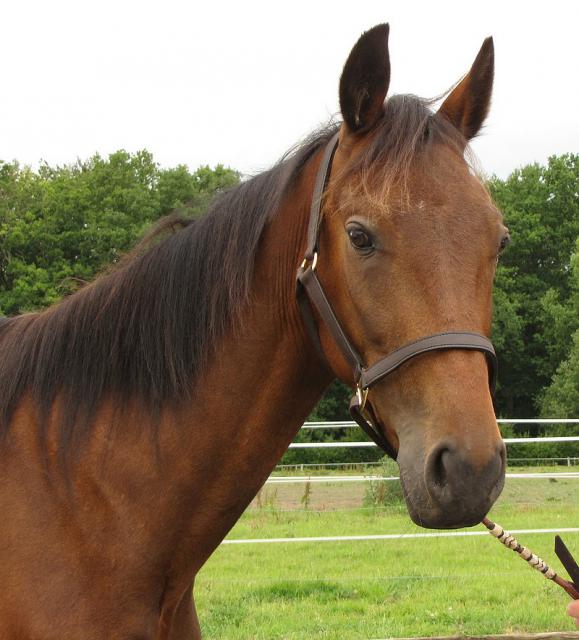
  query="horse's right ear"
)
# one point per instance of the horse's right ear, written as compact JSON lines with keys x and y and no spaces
{"x":365,"y":79}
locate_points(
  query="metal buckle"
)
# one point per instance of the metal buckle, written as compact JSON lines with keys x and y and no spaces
{"x":362,"y":395}
{"x":314,"y":262}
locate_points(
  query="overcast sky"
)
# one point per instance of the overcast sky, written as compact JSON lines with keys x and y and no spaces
{"x":238,"y":83}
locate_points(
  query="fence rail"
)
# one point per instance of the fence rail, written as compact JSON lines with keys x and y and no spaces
{"x":321,"y":479}
{"x":568,"y":461}
{"x":392,"y":536}
{"x":363,"y":444}
{"x":346,"y":424}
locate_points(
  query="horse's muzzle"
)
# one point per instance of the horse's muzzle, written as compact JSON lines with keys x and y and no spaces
{"x":446,"y":490}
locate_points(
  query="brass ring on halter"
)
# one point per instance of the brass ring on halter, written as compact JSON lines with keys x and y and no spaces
{"x":314,"y":261}
{"x":362,"y":395}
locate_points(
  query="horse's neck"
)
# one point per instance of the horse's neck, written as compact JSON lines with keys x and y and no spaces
{"x":261,"y":383}
{"x":265,"y":377}
{"x":175,"y":496}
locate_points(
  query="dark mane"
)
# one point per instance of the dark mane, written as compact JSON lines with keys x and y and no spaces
{"x":143,"y":331}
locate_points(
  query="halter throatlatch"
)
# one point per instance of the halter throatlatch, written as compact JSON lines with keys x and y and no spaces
{"x":310,"y":293}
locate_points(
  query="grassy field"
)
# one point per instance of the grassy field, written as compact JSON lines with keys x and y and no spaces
{"x":387,"y":588}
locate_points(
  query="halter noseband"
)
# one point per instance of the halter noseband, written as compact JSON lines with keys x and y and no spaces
{"x":310,"y":293}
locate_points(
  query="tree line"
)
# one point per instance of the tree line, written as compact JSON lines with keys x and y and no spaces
{"x":60,"y":226}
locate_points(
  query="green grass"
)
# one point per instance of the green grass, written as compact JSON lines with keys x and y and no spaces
{"x":389,"y":588}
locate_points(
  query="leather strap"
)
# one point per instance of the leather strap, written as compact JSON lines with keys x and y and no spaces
{"x":313,"y":288}
{"x":435,"y":342}
{"x":366,"y":423}
{"x":310,"y":292}
{"x":322,"y":178}
{"x":388,"y":364}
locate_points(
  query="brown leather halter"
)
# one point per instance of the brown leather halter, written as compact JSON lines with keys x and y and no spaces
{"x":310,"y":293}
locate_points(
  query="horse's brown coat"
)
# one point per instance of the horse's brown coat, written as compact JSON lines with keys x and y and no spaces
{"x":108,"y":545}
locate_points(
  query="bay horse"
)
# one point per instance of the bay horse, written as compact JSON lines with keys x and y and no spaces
{"x":140,"y":415}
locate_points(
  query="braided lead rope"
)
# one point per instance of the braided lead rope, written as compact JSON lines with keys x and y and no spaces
{"x":512,"y":543}
{"x":537,"y":563}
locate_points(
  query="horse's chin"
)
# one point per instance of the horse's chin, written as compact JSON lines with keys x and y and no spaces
{"x":433,"y":518}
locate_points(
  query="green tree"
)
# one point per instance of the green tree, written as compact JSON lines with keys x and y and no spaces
{"x":179,"y":189}
{"x":60,"y":225}
{"x":541,"y":209}
{"x":334,"y":405}
{"x":561,"y":398}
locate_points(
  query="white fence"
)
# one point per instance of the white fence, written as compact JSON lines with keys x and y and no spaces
{"x":364,"y":444}
{"x":393,"y":536}
{"x":317,"y":479}
{"x":313,"y":479}
{"x":349,"y":423}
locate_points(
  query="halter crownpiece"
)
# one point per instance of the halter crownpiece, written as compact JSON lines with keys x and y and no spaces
{"x":311,"y":294}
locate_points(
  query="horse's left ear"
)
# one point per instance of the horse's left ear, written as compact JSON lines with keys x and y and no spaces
{"x":468,"y":103}
{"x":365,"y":79}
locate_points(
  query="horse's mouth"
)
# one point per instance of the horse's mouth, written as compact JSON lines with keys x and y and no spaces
{"x":462,"y":502}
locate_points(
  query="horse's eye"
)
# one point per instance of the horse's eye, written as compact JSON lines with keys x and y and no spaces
{"x":359,"y":238}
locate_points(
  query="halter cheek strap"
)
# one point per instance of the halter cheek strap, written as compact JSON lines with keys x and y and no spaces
{"x":311,"y":294}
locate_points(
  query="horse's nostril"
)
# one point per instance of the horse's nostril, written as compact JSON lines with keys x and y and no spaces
{"x":452,"y":479}
{"x":438,"y":476}
{"x":437,"y":466}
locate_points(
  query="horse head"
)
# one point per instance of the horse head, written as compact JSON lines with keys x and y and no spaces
{"x":408,"y":245}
